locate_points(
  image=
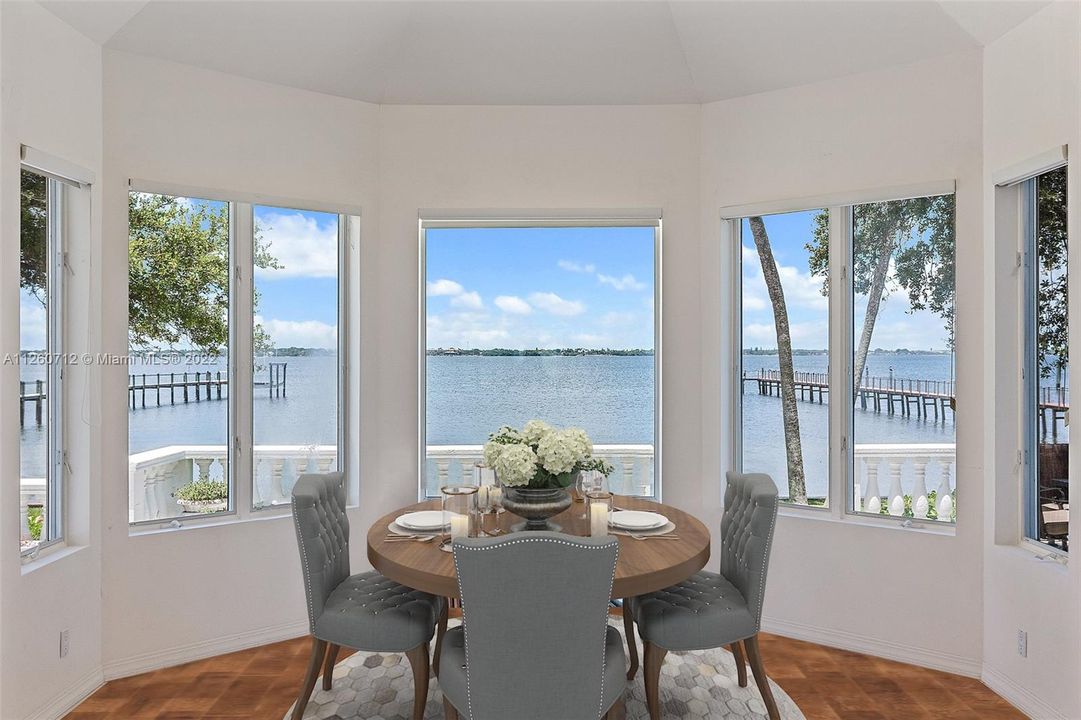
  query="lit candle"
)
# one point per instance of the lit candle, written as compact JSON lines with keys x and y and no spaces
{"x":598,"y":519}
{"x":459,"y":526}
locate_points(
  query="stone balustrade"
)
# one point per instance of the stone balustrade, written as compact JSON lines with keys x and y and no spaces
{"x":154,"y":476}
{"x":454,"y":464}
{"x":906,"y":470}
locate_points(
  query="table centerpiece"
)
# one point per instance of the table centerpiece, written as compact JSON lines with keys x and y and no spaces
{"x":537,"y":465}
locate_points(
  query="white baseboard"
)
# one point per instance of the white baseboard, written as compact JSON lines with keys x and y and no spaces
{"x":934,"y":659}
{"x":203,"y":649}
{"x":1018,"y":696}
{"x":66,"y":701}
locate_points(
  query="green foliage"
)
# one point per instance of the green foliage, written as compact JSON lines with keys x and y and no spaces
{"x":33,"y":234}
{"x":203,"y":490}
{"x":35,"y":521}
{"x":1052,"y":317}
{"x":919,"y":233}
{"x":178,"y":268}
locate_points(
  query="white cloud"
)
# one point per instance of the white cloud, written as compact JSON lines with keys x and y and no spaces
{"x":300,"y":333}
{"x":300,"y":244}
{"x":591,"y":340}
{"x":444,"y":287}
{"x":470,"y":300}
{"x":552,"y":303}
{"x":571,"y":266}
{"x":618,"y":319}
{"x":627,"y":282}
{"x":802,"y":291}
{"x":513,"y":304}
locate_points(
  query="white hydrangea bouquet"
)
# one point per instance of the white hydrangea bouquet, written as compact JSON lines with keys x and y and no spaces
{"x":541,"y":456}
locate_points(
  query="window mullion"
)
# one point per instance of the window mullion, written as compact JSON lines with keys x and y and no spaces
{"x":240,"y":355}
{"x":840,"y":354}
{"x":55,"y":413}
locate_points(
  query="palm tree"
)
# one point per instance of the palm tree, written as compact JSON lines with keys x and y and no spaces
{"x":797,"y":486}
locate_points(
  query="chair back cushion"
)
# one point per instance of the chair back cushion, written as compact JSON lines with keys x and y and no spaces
{"x":750,"y":513}
{"x":535,"y":613}
{"x":323,"y":536}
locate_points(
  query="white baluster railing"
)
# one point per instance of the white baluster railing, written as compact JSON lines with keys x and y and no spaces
{"x":633,"y":466}
{"x":154,"y":476}
{"x":908,"y":465}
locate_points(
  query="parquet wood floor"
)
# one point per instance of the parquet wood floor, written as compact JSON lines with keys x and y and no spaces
{"x":827,"y":684}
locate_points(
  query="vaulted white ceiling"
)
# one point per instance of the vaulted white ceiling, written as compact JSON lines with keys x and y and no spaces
{"x":550,"y":53}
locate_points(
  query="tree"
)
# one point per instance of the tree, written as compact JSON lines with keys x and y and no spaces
{"x":916,"y":237}
{"x":33,"y":234}
{"x":178,"y":269}
{"x":797,"y":485}
{"x":178,"y":274}
{"x":1052,"y":318}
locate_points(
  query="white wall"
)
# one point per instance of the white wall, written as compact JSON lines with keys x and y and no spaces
{"x":41,"y":60}
{"x":898,"y":593}
{"x":1032,"y":104}
{"x":173,"y":595}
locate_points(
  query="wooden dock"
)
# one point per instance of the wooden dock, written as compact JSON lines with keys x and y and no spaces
{"x":902,"y":395}
{"x":890,"y":395}
{"x":162,"y":389}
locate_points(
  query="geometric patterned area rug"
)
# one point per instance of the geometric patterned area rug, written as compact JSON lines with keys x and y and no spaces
{"x":700,"y":684}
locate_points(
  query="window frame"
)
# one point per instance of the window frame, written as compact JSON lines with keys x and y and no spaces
{"x":57,"y":188}
{"x":241,"y":409}
{"x":1027,"y":189}
{"x":436,"y":219}
{"x":841,"y":462}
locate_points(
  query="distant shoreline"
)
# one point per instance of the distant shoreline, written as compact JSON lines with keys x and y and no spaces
{"x":876,"y":351}
{"x":536,"y":352}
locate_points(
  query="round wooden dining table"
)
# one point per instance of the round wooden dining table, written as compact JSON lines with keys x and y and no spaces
{"x":644,"y":565}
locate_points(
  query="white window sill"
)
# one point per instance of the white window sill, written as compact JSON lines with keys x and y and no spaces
{"x":885,"y":522}
{"x":173,"y":525}
{"x":1044,"y":553}
{"x":48,"y":556}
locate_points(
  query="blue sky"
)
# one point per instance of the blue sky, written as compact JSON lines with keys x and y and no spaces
{"x":298,"y":305}
{"x":808,"y":309}
{"x":540,"y":287}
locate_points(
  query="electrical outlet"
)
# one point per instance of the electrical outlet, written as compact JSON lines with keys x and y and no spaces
{"x":1022,"y":643}
{"x":65,"y":642}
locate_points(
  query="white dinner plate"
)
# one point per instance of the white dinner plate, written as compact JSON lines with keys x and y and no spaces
{"x":423,"y":520}
{"x":637,"y":520}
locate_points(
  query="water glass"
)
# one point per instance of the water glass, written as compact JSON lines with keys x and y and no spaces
{"x":460,"y":510}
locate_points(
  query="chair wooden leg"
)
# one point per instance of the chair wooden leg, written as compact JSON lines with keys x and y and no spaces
{"x":653,"y":659}
{"x":439,"y":633}
{"x":315,"y":662}
{"x":741,"y":662}
{"x":759,"y":670}
{"x":418,"y":658}
{"x":618,"y":711}
{"x":328,"y":666}
{"x":449,"y":711}
{"x":632,"y":644}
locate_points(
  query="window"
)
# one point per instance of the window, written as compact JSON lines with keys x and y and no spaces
{"x":893,"y":264}
{"x":785,"y":353}
{"x":295,"y":343}
{"x":903,"y":423}
{"x":555,"y":322}
{"x":220,"y":290}
{"x":1046,"y":359}
{"x":41,"y":418}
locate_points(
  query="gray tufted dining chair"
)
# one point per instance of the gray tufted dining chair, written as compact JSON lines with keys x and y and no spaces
{"x":711,"y":610}
{"x":365,"y":611}
{"x":535,"y":643}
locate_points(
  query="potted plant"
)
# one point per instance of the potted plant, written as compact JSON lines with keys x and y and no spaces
{"x":536,"y":465}
{"x":203,"y":496}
